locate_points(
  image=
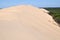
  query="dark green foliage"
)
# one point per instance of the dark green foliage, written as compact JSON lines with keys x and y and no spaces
{"x":0,"y":8}
{"x":55,"y":13}
{"x":57,"y":19}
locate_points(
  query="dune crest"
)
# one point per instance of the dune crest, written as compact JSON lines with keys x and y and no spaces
{"x":26,"y":22}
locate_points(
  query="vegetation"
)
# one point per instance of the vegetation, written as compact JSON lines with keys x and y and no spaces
{"x":0,"y":8}
{"x":55,"y":13}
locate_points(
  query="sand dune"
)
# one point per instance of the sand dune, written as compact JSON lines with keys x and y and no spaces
{"x":26,"y":22}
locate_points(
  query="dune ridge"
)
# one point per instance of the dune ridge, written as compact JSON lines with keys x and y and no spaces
{"x":26,"y":22}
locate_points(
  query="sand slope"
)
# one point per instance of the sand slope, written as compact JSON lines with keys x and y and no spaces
{"x":26,"y":22}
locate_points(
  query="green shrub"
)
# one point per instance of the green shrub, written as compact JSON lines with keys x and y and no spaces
{"x":57,"y":19}
{"x":55,"y":13}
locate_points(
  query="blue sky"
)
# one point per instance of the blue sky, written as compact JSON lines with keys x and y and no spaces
{"x":37,"y":3}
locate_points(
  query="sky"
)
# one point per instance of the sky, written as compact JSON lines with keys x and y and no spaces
{"x":37,"y":3}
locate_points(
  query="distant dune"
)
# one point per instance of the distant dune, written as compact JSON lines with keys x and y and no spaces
{"x":27,"y":22}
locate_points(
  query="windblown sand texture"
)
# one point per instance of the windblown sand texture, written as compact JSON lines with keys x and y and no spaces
{"x":27,"y":22}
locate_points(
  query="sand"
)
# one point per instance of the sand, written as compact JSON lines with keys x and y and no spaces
{"x":27,"y":22}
